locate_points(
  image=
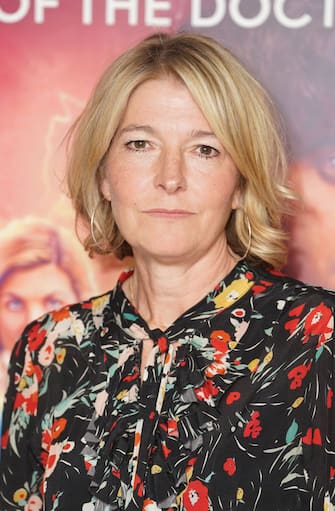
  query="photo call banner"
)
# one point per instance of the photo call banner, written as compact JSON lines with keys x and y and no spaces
{"x":51,"y":55}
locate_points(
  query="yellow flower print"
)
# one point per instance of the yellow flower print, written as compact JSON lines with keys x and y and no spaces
{"x":78,"y":329}
{"x":60,"y":355}
{"x":253,"y":365}
{"x":22,"y":384}
{"x":239,"y":494}
{"x":297,"y":402}
{"x":121,"y":394}
{"x":156,"y":469}
{"x":232,"y":293}
{"x":99,"y":304}
{"x":20,"y":495}
{"x":268,"y":357}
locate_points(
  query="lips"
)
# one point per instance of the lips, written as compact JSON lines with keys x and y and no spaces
{"x":168,"y":213}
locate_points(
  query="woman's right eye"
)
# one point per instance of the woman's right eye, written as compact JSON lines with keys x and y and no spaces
{"x":137,"y":145}
{"x":14,"y":304}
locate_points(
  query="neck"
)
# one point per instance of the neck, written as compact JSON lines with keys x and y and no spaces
{"x":161,"y":293}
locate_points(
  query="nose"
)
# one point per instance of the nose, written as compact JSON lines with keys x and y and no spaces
{"x":34,"y":311}
{"x":170,"y":174}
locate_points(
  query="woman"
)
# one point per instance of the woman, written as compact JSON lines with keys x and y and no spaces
{"x":41,"y":268}
{"x":204,"y":379}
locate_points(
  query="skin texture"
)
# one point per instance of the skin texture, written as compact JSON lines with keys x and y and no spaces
{"x":168,"y":170}
{"x":27,"y":294}
{"x":172,"y":187}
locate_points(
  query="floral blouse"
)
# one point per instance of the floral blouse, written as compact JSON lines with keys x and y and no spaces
{"x":235,"y":410}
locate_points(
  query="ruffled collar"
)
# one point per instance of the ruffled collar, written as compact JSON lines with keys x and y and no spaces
{"x":152,"y":430}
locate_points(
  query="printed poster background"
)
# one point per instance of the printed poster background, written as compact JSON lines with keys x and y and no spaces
{"x":51,"y":54}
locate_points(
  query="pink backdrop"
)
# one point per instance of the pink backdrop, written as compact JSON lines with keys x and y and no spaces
{"x":51,"y":53}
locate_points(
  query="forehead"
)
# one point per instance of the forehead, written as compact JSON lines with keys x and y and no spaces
{"x":162,"y":98}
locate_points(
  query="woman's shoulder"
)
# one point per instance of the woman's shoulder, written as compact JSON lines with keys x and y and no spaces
{"x":293,"y":290}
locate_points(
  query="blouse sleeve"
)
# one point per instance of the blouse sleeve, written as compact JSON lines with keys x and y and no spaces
{"x":318,"y":439}
{"x":20,"y":467}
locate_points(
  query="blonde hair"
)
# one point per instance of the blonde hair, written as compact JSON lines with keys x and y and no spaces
{"x":30,"y":242}
{"x":236,"y":107}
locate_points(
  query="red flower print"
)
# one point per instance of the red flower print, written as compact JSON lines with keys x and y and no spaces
{"x":232,"y":396}
{"x":166,"y":450}
{"x":38,"y":373}
{"x":332,"y":472}
{"x":31,"y":404}
{"x":61,"y":314}
{"x":133,"y":376}
{"x":239,"y":313}
{"x":162,"y":344}
{"x":312,"y":437}
{"x":218,"y":367}
{"x":206,"y":391}
{"x":297,"y":311}
{"x":138,"y":484}
{"x":317,"y":323}
{"x":292,"y":324}
{"x":46,"y":439}
{"x":253,"y":427}
{"x":259,"y":288}
{"x":4,"y":439}
{"x":58,"y":427}
{"x":229,"y":466}
{"x":172,"y":428}
{"x":297,"y":374}
{"x":44,"y":458}
{"x":195,"y":496}
{"x":19,"y":400}
{"x":330,"y":395}
{"x":36,"y":338}
{"x":116,"y":472}
{"x":277,"y":272}
{"x":219,"y":340}
{"x":88,"y":466}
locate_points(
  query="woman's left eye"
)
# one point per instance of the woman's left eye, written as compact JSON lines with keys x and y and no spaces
{"x":137,"y":145}
{"x":207,"y":151}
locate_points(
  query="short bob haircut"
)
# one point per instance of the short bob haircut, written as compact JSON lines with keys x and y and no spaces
{"x":240,"y":114}
{"x":30,"y":242}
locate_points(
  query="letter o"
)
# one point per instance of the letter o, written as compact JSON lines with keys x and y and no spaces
{"x":18,"y":15}
{"x":256,"y":21}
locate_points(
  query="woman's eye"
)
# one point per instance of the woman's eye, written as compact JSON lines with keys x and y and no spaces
{"x":14,"y":304}
{"x":137,"y":145}
{"x":328,"y":169}
{"x":52,"y":302}
{"x":207,"y":151}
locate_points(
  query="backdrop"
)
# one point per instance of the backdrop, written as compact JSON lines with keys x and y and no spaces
{"x":51,"y":54}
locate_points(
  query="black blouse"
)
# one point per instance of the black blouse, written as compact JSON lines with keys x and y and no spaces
{"x":235,"y":410}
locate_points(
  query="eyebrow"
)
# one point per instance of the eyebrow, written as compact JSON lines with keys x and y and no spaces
{"x":202,"y":133}
{"x":150,"y":129}
{"x":135,"y":127}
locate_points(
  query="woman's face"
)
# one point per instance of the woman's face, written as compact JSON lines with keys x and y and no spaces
{"x":28,"y":293}
{"x":171,"y":184}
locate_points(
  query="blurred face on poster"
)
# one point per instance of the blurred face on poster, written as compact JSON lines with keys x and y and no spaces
{"x":42,"y":268}
{"x":312,"y":242}
{"x":28,"y":293}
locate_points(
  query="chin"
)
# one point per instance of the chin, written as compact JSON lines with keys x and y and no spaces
{"x":171,"y":253}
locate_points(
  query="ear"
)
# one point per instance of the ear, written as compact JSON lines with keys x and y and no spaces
{"x":104,"y":185}
{"x":236,"y":200}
